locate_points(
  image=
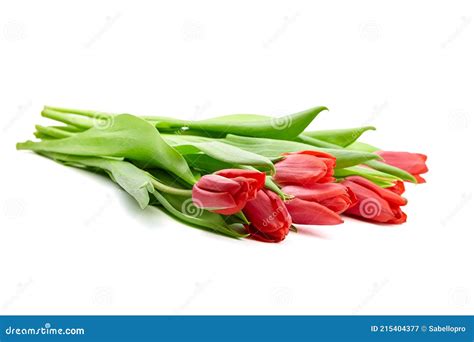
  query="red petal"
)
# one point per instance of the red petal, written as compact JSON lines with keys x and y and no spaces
{"x":216,"y":183}
{"x":212,"y":200}
{"x":398,"y":188}
{"x":371,"y":206}
{"x":419,"y":179}
{"x":316,"y":192}
{"x":413,"y":163}
{"x":300,"y":169}
{"x":305,"y":212}
{"x":387,"y":195}
{"x":318,"y":154}
{"x":253,"y":174}
{"x":267,"y":213}
{"x":337,"y":204}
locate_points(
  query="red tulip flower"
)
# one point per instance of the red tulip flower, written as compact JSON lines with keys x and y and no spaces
{"x":305,"y":168}
{"x":413,"y":163}
{"x":227,"y":191}
{"x":375,"y":203}
{"x":398,"y":188}
{"x":318,"y":203}
{"x":268,"y":216}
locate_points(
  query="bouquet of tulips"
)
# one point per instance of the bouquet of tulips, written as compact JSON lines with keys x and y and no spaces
{"x":238,"y":175}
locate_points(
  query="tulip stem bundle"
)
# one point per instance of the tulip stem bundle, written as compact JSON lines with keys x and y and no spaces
{"x":237,"y":175}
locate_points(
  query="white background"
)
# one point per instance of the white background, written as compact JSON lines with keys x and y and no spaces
{"x":73,"y":243}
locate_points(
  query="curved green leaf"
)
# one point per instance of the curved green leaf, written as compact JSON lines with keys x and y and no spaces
{"x":395,"y":171}
{"x":52,"y":132}
{"x":285,"y":127}
{"x":340,"y":137}
{"x":363,"y":147}
{"x":127,"y":137}
{"x":315,"y":142}
{"x":378,"y":177}
{"x":183,"y":209}
{"x":218,"y":150}
{"x":201,"y":161}
{"x":273,"y":149}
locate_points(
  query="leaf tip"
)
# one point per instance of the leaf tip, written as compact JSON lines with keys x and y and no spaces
{"x":23,"y":145}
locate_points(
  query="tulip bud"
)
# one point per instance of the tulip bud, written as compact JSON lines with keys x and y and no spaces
{"x":305,"y":168}
{"x":268,"y":216}
{"x":413,"y":163}
{"x":227,"y":191}
{"x":318,"y":203}
{"x":375,"y":203}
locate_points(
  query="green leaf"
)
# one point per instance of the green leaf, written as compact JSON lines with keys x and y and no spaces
{"x":53,"y":132}
{"x":127,"y":137}
{"x":363,"y":147}
{"x":132,"y":179}
{"x":395,"y":171}
{"x":273,"y":149}
{"x":71,"y":129}
{"x":77,"y":121}
{"x":183,"y":209}
{"x":315,"y":142}
{"x":340,"y":137}
{"x":218,"y":150}
{"x":285,"y":127}
{"x":270,"y":184}
{"x":378,"y":177}
{"x":206,"y":163}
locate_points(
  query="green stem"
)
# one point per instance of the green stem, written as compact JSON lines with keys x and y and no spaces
{"x":68,"y":119}
{"x":242,"y":216}
{"x":169,"y":189}
{"x":163,"y":122}
{"x":88,"y":113}
{"x":53,"y":132}
{"x":315,"y":142}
